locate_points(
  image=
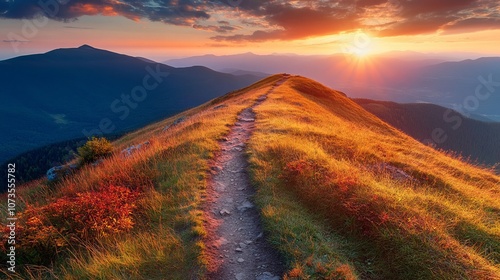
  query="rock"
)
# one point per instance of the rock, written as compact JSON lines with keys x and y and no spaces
{"x":224,"y":212}
{"x":267,"y":276}
{"x":127,"y":152}
{"x":247,"y":119}
{"x":176,"y":122}
{"x":215,"y":168}
{"x":259,"y":236}
{"x":179,"y":120}
{"x":57,"y":172}
{"x":239,"y":250}
{"x":221,"y":241}
{"x":52,"y":173}
{"x":240,"y":260}
{"x":242,"y":245}
{"x":220,"y":106}
{"x":245,"y":206}
{"x":240,"y":276}
{"x":395,"y":173}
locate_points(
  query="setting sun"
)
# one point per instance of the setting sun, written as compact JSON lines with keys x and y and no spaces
{"x":361,"y":53}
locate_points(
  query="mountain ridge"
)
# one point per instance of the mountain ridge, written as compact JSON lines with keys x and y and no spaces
{"x":340,"y":193}
{"x":471,"y":138}
{"x":57,"y":95}
{"x":391,"y":78}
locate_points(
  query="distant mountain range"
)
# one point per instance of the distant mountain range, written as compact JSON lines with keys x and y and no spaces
{"x":441,"y":127}
{"x":399,"y":77}
{"x":77,"y":92}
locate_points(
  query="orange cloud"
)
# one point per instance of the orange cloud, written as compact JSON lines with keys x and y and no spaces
{"x":266,"y":20}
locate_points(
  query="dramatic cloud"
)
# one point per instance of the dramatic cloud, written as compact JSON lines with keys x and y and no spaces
{"x":473,"y":24}
{"x":265,"y":20}
{"x":178,"y":12}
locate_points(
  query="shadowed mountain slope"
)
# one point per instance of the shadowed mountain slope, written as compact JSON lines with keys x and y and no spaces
{"x":340,"y":193}
{"x":441,"y":127}
{"x":73,"y":93}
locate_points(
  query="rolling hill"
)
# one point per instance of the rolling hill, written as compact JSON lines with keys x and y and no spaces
{"x":441,"y":127}
{"x":340,"y":194}
{"x":399,"y":77}
{"x":73,"y":93}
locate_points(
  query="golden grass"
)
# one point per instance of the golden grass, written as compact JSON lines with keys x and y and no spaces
{"x":327,"y":205}
{"x":171,"y":171}
{"x":315,"y":148}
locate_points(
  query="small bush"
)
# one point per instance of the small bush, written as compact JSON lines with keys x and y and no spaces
{"x":95,"y":149}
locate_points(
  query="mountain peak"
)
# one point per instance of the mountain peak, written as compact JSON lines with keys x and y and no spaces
{"x":85,"y":46}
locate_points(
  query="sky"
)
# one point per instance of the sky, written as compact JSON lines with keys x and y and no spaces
{"x":176,"y":28}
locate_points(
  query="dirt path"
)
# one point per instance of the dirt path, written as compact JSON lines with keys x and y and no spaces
{"x":235,"y":244}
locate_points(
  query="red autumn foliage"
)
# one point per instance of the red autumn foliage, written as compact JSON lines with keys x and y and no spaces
{"x":43,"y":231}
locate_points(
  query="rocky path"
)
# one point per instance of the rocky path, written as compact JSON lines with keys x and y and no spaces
{"x":235,"y":244}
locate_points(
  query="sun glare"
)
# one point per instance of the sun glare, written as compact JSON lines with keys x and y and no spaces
{"x":361,"y":53}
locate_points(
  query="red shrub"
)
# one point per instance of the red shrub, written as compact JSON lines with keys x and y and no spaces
{"x":45,"y":230}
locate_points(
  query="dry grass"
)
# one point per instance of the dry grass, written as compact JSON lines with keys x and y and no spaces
{"x":315,"y":149}
{"x":171,"y":174}
{"x":328,"y":205}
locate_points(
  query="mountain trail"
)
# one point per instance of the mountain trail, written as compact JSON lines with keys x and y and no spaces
{"x":236,"y":247}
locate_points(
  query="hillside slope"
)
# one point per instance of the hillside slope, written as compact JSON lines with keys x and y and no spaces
{"x":403,"y":77}
{"x":471,"y":138}
{"x":341,"y":194}
{"x":73,"y":93}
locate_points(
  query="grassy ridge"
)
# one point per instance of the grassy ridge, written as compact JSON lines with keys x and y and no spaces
{"x":335,"y":213}
{"x":471,"y":138}
{"x":171,"y":176}
{"x":342,"y":194}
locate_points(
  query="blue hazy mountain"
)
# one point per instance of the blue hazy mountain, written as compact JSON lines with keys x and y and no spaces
{"x":78,"y":92}
{"x":400,"y":77}
{"x":441,"y":127}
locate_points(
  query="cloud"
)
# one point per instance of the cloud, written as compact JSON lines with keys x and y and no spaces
{"x":15,"y":41}
{"x":177,"y":12}
{"x":265,"y":20}
{"x":77,"y":27}
{"x":472,"y":24}
{"x":303,"y":19}
{"x":219,"y":29}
